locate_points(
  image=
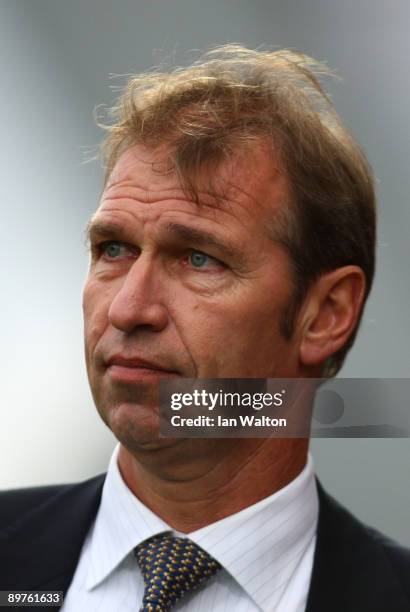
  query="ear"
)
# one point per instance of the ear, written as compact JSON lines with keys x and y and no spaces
{"x":330,"y":313}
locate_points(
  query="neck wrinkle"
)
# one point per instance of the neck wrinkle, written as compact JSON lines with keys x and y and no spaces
{"x":210,"y":491}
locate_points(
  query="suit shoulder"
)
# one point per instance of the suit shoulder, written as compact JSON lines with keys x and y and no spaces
{"x":398,"y":556}
{"x":367,"y":570}
{"x":16,"y":504}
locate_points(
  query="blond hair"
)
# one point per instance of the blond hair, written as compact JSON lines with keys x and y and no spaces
{"x":233,"y":96}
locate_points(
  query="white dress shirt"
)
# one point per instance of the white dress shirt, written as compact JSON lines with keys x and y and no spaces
{"x":266,"y":552}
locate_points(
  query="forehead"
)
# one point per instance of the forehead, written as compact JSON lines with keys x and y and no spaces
{"x":253,"y":180}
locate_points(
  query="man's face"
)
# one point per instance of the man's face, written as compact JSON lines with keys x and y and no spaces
{"x":177,"y":289}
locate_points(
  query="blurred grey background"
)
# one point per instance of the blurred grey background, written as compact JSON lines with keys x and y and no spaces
{"x":56,"y":60}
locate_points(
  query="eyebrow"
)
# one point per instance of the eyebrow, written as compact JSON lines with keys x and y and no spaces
{"x":106,"y":229}
{"x":202,"y":238}
{"x":178,"y":231}
{"x":101,"y":229}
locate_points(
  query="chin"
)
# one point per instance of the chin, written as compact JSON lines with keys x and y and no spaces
{"x":136,"y":427}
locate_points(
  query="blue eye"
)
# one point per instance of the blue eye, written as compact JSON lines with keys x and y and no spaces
{"x":198,"y":259}
{"x":112,"y":250}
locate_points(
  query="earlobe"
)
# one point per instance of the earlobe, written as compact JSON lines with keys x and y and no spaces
{"x":331,"y":313}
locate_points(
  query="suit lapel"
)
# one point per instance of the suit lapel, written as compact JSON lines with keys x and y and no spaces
{"x":351,"y":571}
{"x":42,"y":548}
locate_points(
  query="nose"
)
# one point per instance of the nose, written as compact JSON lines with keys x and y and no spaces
{"x":137,"y":302}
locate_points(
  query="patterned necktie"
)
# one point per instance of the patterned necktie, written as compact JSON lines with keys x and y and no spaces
{"x":171,"y":567}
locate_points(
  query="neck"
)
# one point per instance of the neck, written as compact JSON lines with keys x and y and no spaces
{"x":198,"y":482}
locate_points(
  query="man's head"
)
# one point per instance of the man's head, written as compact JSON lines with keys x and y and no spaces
{"x":235,"y":236}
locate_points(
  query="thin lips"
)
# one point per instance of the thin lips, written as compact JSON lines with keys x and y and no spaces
{"x":136,"y":363}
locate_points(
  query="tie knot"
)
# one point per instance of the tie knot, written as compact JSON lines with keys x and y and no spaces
{"x":171,"y":567}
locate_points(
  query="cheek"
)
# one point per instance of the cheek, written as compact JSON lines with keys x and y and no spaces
{"x":231,"y":336}
{"x":96,"y":303}
{"x":219,"y":331}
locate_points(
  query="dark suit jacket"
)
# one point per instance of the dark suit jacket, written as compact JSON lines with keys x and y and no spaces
{"x":42,"y":530}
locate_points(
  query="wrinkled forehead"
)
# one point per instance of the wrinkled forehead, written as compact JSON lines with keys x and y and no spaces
{"x":254,"y":175}
{"x":142,"y":163}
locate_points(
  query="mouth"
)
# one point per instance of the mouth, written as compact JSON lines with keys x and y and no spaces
{"x":137,"y":370}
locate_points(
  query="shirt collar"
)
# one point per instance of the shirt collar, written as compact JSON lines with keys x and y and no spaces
{"x":262,"y":545}
{"x":121,"y":524}
{"x":259,"y":546}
